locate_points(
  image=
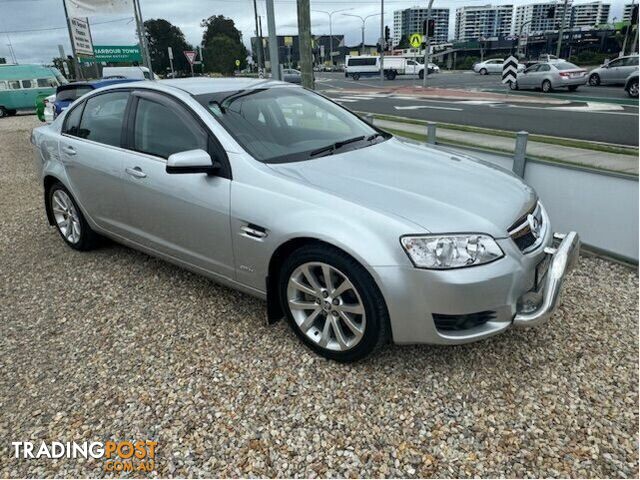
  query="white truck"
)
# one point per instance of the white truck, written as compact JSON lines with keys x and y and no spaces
{"x":369,"y":65}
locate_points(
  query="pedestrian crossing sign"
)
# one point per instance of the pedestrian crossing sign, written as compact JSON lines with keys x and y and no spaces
{"x":415,"y":40}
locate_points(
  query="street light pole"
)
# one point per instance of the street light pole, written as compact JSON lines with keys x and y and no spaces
{"x":425,"y":72}
{"x":561,"y":32}
{"x":363,"y":19}
{"x":520,"y":36}
{"x":330,"y":14}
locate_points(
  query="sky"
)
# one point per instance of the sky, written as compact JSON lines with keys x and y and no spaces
{"x":36,"y":27}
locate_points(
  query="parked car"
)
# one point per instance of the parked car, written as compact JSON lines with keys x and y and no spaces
{"x":21,"y":85}
{"x":631,"y":85}
{"x":550,"y":76}
{"x":69,"y":93}
{"x":614,"y":72}
{"x":292,"y":76}
{"x":493,"y":65}
{"x":353,"y":235}
{"x":137,"y":73}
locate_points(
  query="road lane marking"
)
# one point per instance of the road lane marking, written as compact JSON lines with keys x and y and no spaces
{"x":416,"y":107}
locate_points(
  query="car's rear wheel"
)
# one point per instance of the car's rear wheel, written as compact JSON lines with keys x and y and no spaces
{"x":332,"y":303}
{"x":356,"y":76}
{"x":391,"y":75}
{"x":69,"y":220}
{"x":546,"y":86}
{"x":3,"y":112}
{"x":483,"y":71}
{"x":421,"y":74}
{"x":632,"y":89}
{"x":594,"y":80}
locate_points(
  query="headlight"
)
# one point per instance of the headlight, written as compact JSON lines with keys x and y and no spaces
{"x":441,"y":252}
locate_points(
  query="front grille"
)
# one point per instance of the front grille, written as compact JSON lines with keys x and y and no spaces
{"x":528,"y":229}
{"x":462,"y":322}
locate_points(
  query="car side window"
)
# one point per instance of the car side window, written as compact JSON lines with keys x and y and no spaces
{"x":3,"y":85}
{"x":630,"y":62}
{"x":614,"y":63}
{"x":72,"y":121}
{"x":533,"y":68}
{"x":544,"y":68}
{"x":160,"y":131}
{"x":102,"y":118}
{"x":14,"y":84}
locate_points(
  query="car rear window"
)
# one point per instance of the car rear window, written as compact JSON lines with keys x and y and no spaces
{"x":71,"y":94}
{"x":566,"y":66}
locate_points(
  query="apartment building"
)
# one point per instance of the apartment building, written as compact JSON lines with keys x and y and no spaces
{"x":590,"y":14}
{"x":626,"y":15}
{"x":409,"y":20}
{"x":473,"y":22}
{"x":540,"y":17}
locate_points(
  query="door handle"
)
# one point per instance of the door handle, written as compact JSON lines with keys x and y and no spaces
{"x":135,"y":172}
{"x":69,"y":150}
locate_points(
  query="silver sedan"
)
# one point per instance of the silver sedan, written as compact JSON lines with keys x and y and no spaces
{"x":550,"y":76}
{"x":352,"y":235}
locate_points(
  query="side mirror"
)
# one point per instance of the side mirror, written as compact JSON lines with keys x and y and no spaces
{"x":192,"y":161}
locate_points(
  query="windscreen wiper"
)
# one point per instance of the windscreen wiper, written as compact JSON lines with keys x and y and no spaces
{"x":329,"y":149}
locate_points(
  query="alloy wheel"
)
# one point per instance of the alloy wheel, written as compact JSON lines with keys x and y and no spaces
{"x":326,"y":306}
{"x":633,"y":89}
{"x":66,"y":216}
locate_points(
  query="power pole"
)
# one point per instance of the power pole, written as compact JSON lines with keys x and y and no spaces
{"x":381,"y":42}
{"x":144,"y":48}
{"x":304,"y":43}
{"x":427,"y":52}
{"x":561,"y":31}
{"x":273,"y":42}
{"x":259,"y":52}
{"x":76,"y":64}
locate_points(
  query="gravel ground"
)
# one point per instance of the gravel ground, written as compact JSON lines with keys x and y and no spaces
{"x":115,"y":344}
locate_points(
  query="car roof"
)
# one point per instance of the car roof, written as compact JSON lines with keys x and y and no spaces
{"x":203,"y":85}
{"x":97,"y":83}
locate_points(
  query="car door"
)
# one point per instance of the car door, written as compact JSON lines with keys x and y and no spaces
{"x":629,"y":66}
{"x":92,"y":154}
{"x":185,"y":216}
{"x":543,"y":72}
{"x":411,"y":67}
{"x":526,"y":78}
{"x":610,"y":73}
{"x":495,"y":66}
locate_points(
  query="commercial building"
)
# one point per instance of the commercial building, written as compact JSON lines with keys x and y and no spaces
{"x":590,"y":14}
{"x":540,"y":17}
{"x":485,"y":21}
{"x":410,"y":20}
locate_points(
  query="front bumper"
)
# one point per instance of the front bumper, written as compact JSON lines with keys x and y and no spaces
{"x":415,"y":297}
{"x":564,"y":259}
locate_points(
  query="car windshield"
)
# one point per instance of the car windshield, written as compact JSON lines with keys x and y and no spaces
{"x":566,"y":66}
{"x":73,"y":93}
{"x":280,"y":124}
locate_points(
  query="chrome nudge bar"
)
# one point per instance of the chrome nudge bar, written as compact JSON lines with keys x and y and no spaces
{"x":565,"y":256}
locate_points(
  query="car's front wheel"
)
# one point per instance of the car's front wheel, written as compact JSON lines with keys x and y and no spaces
{"x":513,"y":85}
{"x":632,"y":89}
{"x":483,"y":71}
{"x":69,"y":220}
{"x":546,"y":86}
{"x":594,"y":80}
{"x":332,"y":303}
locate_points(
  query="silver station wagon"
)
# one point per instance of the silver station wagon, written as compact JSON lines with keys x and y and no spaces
{"x":352,"y":235}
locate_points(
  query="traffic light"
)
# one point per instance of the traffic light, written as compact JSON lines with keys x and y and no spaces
{"x":551,"y":12}
{"x":429,"y":27}
{"x":387,"y":34}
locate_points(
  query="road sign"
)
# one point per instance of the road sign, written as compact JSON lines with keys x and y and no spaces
{"x":170,"y":50}
{"x":115,"y":54}
{"x":237,"y":63}
{"x":191,"y":56}
{"x":81,"y":36}
{"x":510,"y":70}
{"x":415,"y":40}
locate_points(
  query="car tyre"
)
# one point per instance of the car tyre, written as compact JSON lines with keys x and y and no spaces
{"x":3,"y":112}
{"x":421,"y":74}
{"x":483,"y":71}
{"x":513,"y":85}
{"x":346,"y":318}
{"x":391,"y":75}
{"x":356,"y":76}
{"x":632,"y":89}
{"x":69,"y":220}
{"x":546,"y":86}
{"x":594,"y":80}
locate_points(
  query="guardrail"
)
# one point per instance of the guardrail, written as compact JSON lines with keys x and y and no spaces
{"x":602,"y":206}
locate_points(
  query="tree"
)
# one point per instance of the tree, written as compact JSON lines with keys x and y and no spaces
{"x":221,"y":53}
{"x":219,"y":25}
{"x":161,"y":34}
{"x":222,"y":43}
{"x":59,"y":62}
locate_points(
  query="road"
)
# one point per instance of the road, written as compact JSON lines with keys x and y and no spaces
{"x":603,"y":114}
